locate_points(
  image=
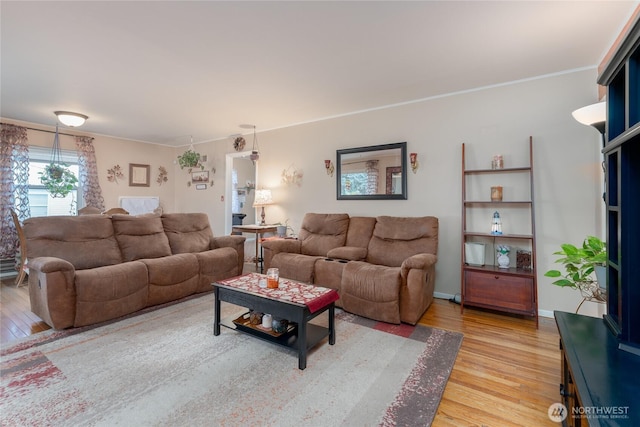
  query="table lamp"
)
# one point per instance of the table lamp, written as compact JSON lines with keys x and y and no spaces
{"x":263,"y":198}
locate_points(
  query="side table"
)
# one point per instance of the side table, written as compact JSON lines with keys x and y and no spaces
{"x":258,"y":230}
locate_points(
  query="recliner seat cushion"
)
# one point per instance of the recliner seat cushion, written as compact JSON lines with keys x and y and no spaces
{"x":140,"y":236}
{"x":104,"y":293}
{"x":295,"y":266}
{"x":172,"y":277}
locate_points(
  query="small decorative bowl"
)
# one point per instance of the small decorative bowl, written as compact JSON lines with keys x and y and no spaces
{"x":279,"y":326}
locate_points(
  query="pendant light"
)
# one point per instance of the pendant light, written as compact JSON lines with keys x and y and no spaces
{"x":255,"y":153}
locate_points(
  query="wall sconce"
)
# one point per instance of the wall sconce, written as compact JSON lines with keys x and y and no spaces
{"x":328,"y":165}
{"x":413,"y":157}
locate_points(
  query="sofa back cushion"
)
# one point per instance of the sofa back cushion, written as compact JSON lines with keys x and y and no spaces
{"x":141,"y":236}
{"x":397,"y":238}
{"x":86,"y":241}
{"x":187,"y":232}
{"x":321,"y":232}
{"x":360,"y":231}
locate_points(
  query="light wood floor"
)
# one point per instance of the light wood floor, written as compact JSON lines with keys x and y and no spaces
{"x":507,"y":373}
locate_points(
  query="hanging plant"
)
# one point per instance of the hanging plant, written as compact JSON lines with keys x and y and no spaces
{"x":56,"y":176}
{"x":58,"y":179}
{"x":190,"y":159}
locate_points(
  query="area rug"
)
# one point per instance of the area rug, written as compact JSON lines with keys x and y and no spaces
{"x":165,"y":368}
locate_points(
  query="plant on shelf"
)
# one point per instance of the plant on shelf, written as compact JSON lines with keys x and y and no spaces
{"x":580,"y":264}
{"x":58,"y":179}
{"x":190,"y":159}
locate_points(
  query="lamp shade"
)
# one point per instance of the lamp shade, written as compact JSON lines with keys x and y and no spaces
{"x":263,"y":198}
{"x":592,"y":115}
{"x":70,"y":119}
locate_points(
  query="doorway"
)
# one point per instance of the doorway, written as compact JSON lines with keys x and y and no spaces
{"x":241,"y":177}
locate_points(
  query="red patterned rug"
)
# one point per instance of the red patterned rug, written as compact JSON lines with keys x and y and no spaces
{"x":165,"y":368}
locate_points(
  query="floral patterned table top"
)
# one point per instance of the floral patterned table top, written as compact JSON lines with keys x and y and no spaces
{"x":314,"y":297}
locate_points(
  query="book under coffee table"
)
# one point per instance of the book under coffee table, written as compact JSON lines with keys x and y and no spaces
{"x":295,"y":301}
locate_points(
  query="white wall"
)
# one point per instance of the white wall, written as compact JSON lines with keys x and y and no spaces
{"x":489,"y":121}
{"x":111,"y":152}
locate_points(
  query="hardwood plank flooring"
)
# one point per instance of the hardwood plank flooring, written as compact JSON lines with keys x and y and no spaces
{"x":507,"y":372}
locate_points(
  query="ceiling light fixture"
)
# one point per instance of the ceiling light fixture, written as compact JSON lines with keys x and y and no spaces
{"x":70,"y":119}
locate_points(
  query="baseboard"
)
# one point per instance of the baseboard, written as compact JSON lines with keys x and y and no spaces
{"x":442,"y":295}
{"x":449,"y":297}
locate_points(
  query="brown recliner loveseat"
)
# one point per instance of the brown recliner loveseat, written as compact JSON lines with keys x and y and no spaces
{"x":92,"y":268}
{"x":382,"y":267}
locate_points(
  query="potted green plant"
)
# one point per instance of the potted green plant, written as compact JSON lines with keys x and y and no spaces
{"x":190,"y":159}
{"x":58,"y":179}
{"x":580,"y":265}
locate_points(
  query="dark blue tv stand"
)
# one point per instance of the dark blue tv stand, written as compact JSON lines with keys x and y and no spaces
{"x":600,"y":383}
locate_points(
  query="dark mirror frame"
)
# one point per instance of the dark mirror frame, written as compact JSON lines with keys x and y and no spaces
{"x":382,"y":196}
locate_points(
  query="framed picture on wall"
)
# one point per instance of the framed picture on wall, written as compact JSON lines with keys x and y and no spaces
{"x":199,"y":177}
{"x":139,"y":175}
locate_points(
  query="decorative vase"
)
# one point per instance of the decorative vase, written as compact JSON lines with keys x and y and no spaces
{"x":503,"y":261}
{"x":503,"y":256}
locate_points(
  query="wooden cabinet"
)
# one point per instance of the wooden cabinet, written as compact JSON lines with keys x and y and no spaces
{"x":513,"y":289}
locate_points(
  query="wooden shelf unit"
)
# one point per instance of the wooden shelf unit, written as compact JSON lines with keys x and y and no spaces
{"x":512,"y":290}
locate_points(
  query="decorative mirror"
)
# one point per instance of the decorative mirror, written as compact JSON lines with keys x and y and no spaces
{"x":377,"y":172}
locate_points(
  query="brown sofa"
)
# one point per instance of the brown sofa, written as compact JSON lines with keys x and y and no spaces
{"x":91,"y":268}
{"x":382,"y":267}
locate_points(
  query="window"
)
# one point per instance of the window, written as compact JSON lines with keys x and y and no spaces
{"x":40,"y":201}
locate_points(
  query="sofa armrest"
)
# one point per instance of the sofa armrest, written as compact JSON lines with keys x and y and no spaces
{"x":272,"y":247}
{"x":418,"y":274}
{"x":418,"y":261}
{"x":235,"y":242}
{"x":52,"y":291}
{"x":351,"y":253}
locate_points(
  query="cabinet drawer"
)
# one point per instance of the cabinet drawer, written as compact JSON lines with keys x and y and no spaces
{"x":501,"y":291}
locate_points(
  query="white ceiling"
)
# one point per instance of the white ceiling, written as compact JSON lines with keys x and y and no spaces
{"x":160,"y":71}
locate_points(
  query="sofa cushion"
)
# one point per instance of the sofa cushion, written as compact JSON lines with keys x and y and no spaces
{"x":108,"y":292}
{"x":360,"y":231}
{"x":187,"y":232}
{"x":85,"y":241}
{"x":140,"y":236}
{"x":214,"y":265}
{"x":397,"y":238}
{"x":328,"y":273}
{"x":348,"y":252}
{"x":321,"y":232}
{"x":295,"y":266}
{"x":172,"y":277}
{"x":371,"y":291}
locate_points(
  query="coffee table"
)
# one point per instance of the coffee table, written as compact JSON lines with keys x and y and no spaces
{"x":295,"y":301}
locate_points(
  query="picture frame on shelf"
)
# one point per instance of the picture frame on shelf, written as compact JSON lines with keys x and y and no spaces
{"x":139,"y":175}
